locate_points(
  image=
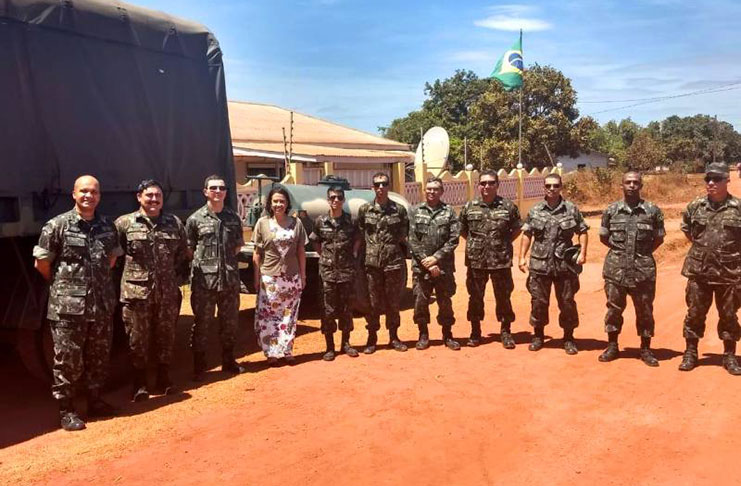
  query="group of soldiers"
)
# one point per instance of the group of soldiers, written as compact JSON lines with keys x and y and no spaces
{"x":77,"y":253}
{"x":631,"y":228}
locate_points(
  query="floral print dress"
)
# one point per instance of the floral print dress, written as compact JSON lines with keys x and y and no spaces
{"x":278,"y":302}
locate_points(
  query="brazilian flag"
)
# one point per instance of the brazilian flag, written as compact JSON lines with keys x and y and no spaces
{"x":508,"y":70}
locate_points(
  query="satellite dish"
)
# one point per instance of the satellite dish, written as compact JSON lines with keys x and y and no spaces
{"x":436,"y":145}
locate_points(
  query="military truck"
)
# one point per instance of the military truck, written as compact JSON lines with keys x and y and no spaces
{"x":102,"y":88}
{"x":307,"y":203}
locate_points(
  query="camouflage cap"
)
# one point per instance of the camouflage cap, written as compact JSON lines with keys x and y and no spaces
{"x":570,"y":256}
{"x":717,"y":168}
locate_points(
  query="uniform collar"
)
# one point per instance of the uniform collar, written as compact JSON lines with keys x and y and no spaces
{"x":623,"y":206}
{"x":561,"y":204}
{"x":441,"y":206}
{"x":389,"y":204}
{"x":341,"y":218}
{"x":76,"y":218}
{"x":496,"y":202}
{"x":729,"y":201}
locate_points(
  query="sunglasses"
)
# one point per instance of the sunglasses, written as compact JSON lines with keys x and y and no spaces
{"x":336,"y":198}
{"x":715,"y":179}
{"x":217,"y":188}
{"x":380,"y":184}
{"x":488,"y":183}
{"x":552,"y":186}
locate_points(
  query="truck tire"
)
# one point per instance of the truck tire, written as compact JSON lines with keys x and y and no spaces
{"x":36,"y":350}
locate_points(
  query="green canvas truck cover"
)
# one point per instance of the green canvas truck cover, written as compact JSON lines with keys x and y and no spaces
{"x":108,"y":89}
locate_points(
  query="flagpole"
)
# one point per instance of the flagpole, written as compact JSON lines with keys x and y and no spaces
{"x":519,"y":143}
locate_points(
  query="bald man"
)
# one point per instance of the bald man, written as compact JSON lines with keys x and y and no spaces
{"x":75,"y":253}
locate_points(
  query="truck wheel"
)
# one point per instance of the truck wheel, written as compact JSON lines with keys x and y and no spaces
{"x":36,"y":350}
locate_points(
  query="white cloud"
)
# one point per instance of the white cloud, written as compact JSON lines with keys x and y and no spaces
{"x":513,"y":17}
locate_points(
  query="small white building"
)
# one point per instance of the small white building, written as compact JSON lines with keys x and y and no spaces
{"x":591,"y":160}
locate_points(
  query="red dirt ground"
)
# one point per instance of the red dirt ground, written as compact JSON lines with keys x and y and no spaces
{"x":478,"y":416}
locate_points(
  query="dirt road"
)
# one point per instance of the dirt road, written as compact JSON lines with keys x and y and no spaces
{"x":478,"y":416}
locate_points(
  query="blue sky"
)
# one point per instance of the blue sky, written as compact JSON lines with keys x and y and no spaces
{"x":364,"y":63}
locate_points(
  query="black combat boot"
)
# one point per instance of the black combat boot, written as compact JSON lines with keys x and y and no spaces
{"x":729,"y":357}
{"x":139,"y":391}
{"x":370,"y":346}
{"x":448,"y":339}
{"x":424,"y":338}
{"x":329,"y":354}
{"x":345,"y":346}
{"x":612,"y":352}
{"x":97,"y":407}
{"x":538,"y":339}
{"x":395,"y":342}
{"x":569,"y":345}
{"x":69,"y":420}
{"x":199,"y":366}
{"x":164,"y":385}
{"x":475,"y":338}
{"x":229,"y":364}
{"x":689,"y":360}
{"x":646,"y":355}
{"x":508,"y":342}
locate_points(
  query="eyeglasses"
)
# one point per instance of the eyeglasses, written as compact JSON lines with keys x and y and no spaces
{"x":336,"y":198}
{"x":381,"y":184}
{"x":714,"y":178}
{"x":552,"y":186}
{"x":217,"y":188}
{"x":488,"y":183}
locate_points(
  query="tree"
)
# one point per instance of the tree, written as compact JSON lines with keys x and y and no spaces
{"x":549,"y":119}
{"x":480,"y":111}
{"x":645,"y":153}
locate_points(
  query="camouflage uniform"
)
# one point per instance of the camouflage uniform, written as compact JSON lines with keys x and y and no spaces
{"x":214,"y":239}
{"x":712,"y":265}
{"x":82,"y":298}
{"x":336,"y":269}
{"x":488,"y":229}
{"x":433,"y":232}
{"x":629,"y":267}
{"x":384,"y":229}
{"x":552,"y":231}
{"x":154,"y":250}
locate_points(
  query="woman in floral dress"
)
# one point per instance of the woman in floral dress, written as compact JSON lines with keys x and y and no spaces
{"x":280,"y":275}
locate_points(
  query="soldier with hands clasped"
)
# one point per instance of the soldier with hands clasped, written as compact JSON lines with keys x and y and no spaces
{"x":75,"y":254}
{"x":632,"y":228}
{"x":433,"y":236}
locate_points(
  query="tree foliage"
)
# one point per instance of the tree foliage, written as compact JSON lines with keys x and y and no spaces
{"x":482,"y":121}
{"x":482,"y":113}
{"x":686,"y":142}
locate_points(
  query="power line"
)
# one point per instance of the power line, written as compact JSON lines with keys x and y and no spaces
{"x":666,"y":97}
{"x":656,"y":100}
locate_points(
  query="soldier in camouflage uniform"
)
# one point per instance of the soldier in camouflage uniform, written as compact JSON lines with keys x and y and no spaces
{"x":713,"y":266}
{"x":384,"y":226}
{"x":334,"y":237}
{"x":550,"y":227}
{"x":433,"y":237}
{"x":156,"y":248}
{"x":214,"y":235}
{"x":490,"y":224}
{"x":75,"y":253}
{"x":632,"y":229}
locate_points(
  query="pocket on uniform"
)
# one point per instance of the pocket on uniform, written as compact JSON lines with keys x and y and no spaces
{"x":567,"y":224}
{"x":70,"y":299}
{"x":136,"y":275}
{"x":645,"y":231}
